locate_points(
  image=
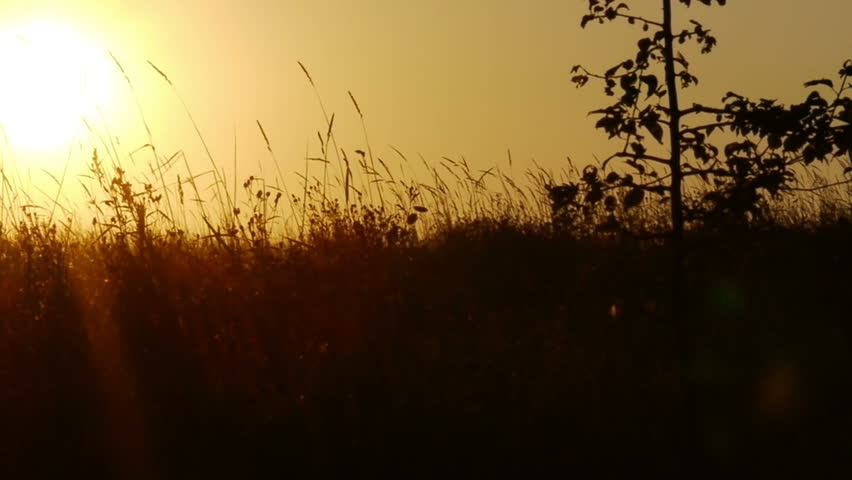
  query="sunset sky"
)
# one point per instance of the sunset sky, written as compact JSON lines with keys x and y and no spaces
{"x":437,"y":77}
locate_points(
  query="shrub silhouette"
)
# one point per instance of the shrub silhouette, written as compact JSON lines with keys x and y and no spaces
{"x":764,"y":141}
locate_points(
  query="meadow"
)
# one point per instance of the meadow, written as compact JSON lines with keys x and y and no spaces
{"x":374,"y":323}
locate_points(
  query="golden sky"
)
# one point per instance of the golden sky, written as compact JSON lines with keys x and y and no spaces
{"x":436,"y":77}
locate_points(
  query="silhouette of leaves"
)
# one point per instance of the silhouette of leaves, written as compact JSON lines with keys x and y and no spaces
{"x":823,"y":81}
{"x":817,"y":129}
{"x":634,"y":197}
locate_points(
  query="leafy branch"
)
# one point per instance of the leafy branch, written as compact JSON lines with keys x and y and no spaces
{"x":765,"y":139}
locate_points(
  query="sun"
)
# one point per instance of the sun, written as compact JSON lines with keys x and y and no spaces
{"x":52,"y":78}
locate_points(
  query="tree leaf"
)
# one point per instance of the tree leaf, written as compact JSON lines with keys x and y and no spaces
{"x":612,"y":71}
{"x":580,"y":80}
{"x":652,"y":83}
{"x":634,"y":197}
{"x":656,"y":131}
{"x":594,"y":196}
{"x":822,"y":81}
{"x":775,"y":141}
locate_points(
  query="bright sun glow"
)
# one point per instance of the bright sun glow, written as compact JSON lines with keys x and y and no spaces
{"x":51,"y":78}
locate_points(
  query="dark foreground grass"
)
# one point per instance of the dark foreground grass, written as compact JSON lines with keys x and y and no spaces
{"x":488,"y":348}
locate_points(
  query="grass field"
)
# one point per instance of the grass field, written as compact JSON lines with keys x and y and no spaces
{"x":372,"y":323}
{"x":365,"y":340}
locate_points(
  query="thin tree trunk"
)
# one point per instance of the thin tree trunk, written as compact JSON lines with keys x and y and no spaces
{"x":674,"y":128}
{"x":680,"y":319}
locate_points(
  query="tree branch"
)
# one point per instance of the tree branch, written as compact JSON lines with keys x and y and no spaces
{"x":696,"y":108}
{"x":641,"y":19}
{"x":634,"y":156}
{"x":709,"y":126}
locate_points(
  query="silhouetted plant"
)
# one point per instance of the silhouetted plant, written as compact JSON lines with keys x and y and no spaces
{"x":124,"y":213}
{"x":765,"y":139}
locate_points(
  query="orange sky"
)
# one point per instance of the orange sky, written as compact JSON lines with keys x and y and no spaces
{"x":437,"y":77}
